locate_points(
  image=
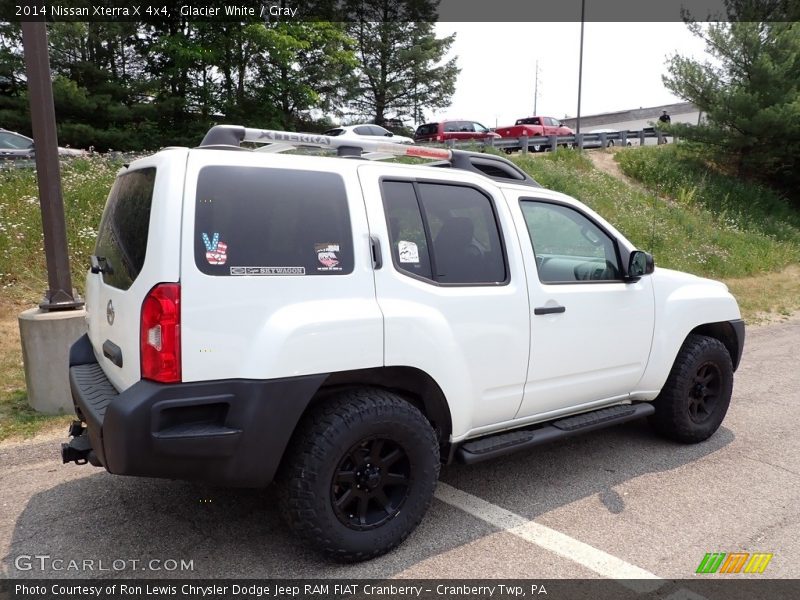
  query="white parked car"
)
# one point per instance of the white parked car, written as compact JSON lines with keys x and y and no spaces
{"x":610,"y":143}
{"x":368,"y":132}
{"x":15,"y":145}
{"x":348,"y":326}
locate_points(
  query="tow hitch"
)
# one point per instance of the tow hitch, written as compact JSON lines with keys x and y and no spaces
{"x":79,"y":449}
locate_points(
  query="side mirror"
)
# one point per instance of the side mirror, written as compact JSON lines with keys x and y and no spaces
{"x":388,"y":134}
{"x":640,"y":263}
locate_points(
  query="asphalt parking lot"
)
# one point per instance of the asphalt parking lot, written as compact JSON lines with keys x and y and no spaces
{"x":618,"y":503}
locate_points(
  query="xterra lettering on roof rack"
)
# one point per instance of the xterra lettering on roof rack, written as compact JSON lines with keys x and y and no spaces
{"x":489,"y":165}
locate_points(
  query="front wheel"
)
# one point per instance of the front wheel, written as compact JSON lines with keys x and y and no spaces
{"x":359,"y":474}
{"x":696,"y":396}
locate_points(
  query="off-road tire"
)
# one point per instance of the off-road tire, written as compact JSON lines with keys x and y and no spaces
{"x":324,"y":441}
{"x":702,"y":375}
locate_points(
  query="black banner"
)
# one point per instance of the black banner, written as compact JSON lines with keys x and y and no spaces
{"x":399,"y":10}
{"x":702,"y":588}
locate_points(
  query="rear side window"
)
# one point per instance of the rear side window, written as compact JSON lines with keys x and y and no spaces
{"x":427,"y":129}
{"x":406,"y":230}
{"x":122,"y":238}
{"x":459,"y":126}
{"x":445,"y":233}
{"x":257,"y":221}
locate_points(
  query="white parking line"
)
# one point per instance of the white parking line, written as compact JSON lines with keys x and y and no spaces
{"x":596,"y":560}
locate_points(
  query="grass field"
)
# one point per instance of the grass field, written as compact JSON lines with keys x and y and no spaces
{"x":690,"y":217}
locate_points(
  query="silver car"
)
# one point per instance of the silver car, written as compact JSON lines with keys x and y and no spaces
{"x":14,"y":145}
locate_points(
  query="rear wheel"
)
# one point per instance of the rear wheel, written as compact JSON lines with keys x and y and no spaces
{"x":360,"y":474}
{"x":695,"y":399}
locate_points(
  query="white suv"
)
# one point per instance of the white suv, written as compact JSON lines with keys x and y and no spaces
{"x":346,"y":326}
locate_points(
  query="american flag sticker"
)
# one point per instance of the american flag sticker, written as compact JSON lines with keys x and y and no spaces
{"x":216,"y":251}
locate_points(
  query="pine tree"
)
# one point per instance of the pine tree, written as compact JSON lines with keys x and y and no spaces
{"x":749,"y":92}
{"x":401,"y":72}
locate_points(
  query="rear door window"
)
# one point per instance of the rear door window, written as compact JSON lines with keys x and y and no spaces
{"x":257,"y":221}
{"x":122,"y":237}
{"x":443,"y":232}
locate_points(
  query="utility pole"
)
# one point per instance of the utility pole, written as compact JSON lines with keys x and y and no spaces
{"x":536,"y":90}
{"x":59,"y":295}
{"x":580,"y":68}
{"x":47,"y":332}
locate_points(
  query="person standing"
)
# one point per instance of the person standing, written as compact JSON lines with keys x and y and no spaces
{"x":664,"y":118}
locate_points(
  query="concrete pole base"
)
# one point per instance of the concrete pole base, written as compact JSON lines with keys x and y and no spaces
{"x":46,"y":338}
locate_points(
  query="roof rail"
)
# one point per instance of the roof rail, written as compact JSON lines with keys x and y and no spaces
{"x":234,"y":135}
{"x":489,"y":165}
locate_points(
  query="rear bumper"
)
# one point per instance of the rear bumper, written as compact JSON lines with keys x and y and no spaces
{"x":231,"y":432}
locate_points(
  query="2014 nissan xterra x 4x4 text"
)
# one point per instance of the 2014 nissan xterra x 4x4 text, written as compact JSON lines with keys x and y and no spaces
{"x":346,"y":326}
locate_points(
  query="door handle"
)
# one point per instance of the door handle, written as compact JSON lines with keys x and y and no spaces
{"x":549,"y":310}
{"x":112,"y":352}
{"x":375,"y":249}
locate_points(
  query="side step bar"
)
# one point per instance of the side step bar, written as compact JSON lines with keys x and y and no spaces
{"x":511,"y":441}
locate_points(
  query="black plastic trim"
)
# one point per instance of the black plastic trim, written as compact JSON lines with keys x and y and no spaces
{"x":224,"y":135}
{"x":112,"y":352}
{"x":377,"y":255}
{"x":82,"y":352}
{"x":527,"y":438}
{"x":739,"y":330}
{"x":549,"y":310}
{"x":231,"y":432}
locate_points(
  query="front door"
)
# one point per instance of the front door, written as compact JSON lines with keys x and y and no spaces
{"x":590,"y":331}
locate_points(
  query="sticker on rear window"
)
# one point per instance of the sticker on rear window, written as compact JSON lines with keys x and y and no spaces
{"x":408,"y":251}
{"x":328,"y":257}
{"x":216,"y":250}
{"x":268,"y":270}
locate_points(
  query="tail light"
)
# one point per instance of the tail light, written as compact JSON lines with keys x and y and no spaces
{"x":439,"y":138}
{"x":160,"y":334}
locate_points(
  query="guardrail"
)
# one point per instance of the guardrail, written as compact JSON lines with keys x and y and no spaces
{"x":551,"y":142}
{"x":523,"y":144}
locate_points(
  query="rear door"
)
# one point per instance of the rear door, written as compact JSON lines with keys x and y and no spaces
{"x":451,"y":288}
{"x":138,"y":244}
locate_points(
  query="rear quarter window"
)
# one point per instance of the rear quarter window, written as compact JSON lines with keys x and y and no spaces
{"x":122,"y":237}
{"x":254,"y":221}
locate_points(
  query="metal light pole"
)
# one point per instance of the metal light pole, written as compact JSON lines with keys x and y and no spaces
{"x":59,"y":295}
{"x":536,"y":90}
{"x":580,"y":69}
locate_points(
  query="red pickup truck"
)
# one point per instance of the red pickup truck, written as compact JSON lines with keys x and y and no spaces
{"x":532,"y":127}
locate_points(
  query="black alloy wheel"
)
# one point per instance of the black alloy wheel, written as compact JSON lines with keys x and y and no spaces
{"x":371,"y":483}
{"x":704,"y":392}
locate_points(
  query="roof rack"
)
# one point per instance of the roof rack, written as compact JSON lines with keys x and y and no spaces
{"x":495,"y":167}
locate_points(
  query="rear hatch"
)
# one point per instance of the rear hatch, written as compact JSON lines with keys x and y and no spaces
{"x":138,"y":245}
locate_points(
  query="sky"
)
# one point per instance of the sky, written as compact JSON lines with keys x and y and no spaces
{"x":622,"y":68}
